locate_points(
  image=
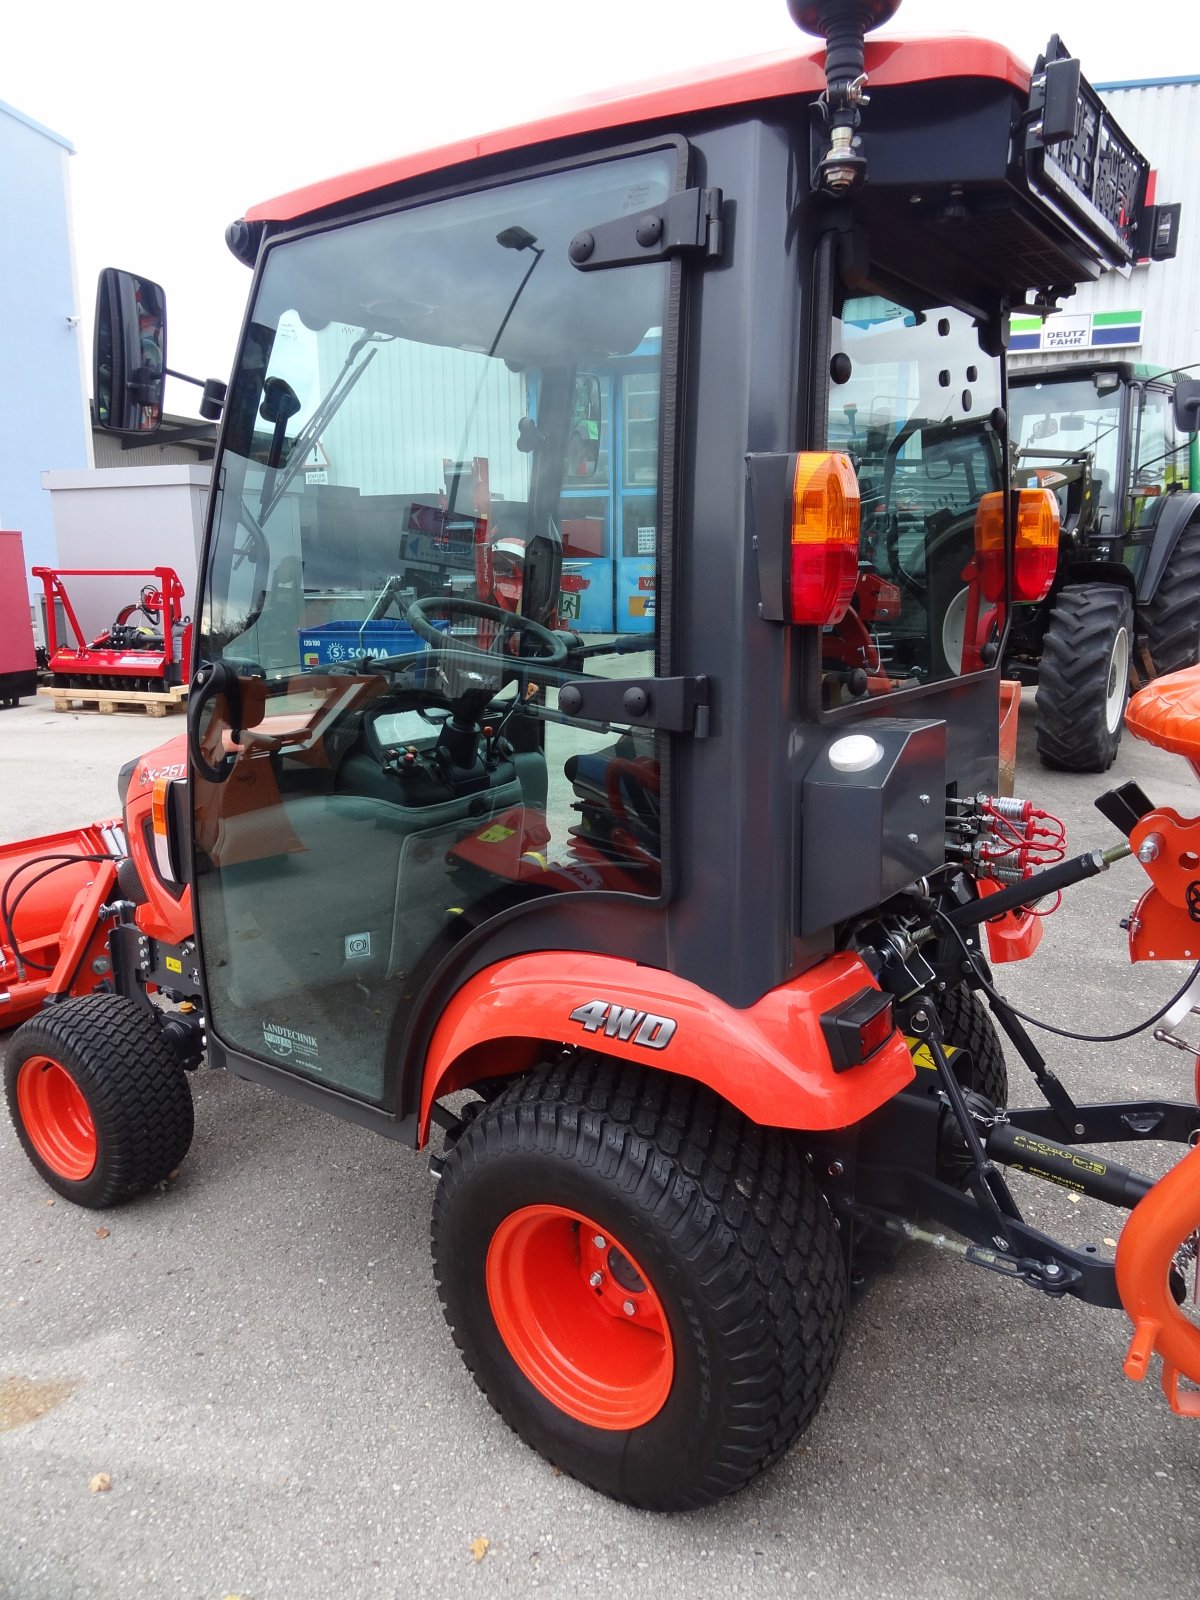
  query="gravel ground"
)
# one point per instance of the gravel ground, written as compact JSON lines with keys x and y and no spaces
{"x":257,"y":1361}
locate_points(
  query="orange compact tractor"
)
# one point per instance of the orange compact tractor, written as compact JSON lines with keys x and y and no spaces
{"x":671,"y":908}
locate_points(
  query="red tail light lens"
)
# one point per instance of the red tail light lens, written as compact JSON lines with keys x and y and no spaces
{"x":1035,"y":556}
{"x":824,"y":546}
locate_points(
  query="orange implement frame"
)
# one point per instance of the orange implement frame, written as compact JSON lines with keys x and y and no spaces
{"x":1169,"y":1215}
{"x":1165,"y":927}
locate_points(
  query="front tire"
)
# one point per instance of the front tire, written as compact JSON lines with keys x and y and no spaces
{"x":99,"y":1099}
{"x":647,"y":1287}
{"x":1083,"y":679}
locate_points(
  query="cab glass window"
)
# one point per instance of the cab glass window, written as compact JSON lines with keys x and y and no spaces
{"x":914,"y":402}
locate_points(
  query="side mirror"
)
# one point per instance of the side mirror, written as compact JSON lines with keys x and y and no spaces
{"x":1187,"y":404}
{"x":129,"y":353}
{"x":583,"y":447}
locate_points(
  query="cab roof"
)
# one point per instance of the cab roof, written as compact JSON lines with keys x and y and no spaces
{"x":889,"y":62}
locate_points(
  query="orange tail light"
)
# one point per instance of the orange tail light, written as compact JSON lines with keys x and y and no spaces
{"x":824,"y":545}
{"x":1035,"y":555}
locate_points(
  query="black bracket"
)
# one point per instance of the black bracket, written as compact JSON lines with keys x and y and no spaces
{"x":688,"y":222}
{"x":672,"y":705}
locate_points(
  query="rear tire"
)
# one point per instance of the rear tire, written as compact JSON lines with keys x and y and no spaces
{"x":1172,"y":619}
{"x":1083,"y":679}
{"x":712,"y":1229}
{"x":99,"y":1099}
{"x":966,"y":1022}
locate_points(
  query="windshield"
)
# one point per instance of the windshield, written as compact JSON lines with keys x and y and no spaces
{"x":914,"y":403}
{"x":428,"y":404}
{"x":1069,"y":424}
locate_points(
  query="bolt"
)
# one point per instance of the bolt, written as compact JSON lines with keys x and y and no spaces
{"x":1053,"y":1270}
{"x":1150,"y":848}
{"x":920,"y":1020}
{"x":835,"y":1169}
{"x":914,"y":838}
{"x":1079,"y":1130}
{"x":924,"y":799}
{"x":596,"y":1279}
{"x":629,"y":1308}
{"x":600,"y":1242}
{"x":1000,"y":1241}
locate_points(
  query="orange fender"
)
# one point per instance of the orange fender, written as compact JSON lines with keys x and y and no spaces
{"x":1158,"y":1225}
{"x":769,"y":1060}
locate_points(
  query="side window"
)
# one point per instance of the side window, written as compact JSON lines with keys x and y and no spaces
{"x":1161,"y":462}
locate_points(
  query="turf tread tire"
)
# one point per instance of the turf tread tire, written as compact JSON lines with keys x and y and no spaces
{"x":135,"y":1088}
{"x":1171,"y":620}
{"x":1077,"y":658}
{"x":703,"y":1198}
{"x":967,"y":1022}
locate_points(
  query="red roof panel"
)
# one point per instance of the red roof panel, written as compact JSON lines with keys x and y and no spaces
{"x":889,"y":62}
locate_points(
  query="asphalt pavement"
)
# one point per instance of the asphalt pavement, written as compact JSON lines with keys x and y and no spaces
{"x":256,"y":1363}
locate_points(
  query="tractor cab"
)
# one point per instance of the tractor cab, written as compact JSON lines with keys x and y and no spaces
{"x":459,"y":700}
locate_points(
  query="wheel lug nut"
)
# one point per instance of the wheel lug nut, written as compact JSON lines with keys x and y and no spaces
{"x":629,"y":1308}
{"x":596,"y":1279}
{"x":600,"y":1242}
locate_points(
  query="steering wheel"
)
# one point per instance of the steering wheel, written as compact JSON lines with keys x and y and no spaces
{"x":555,"y":650}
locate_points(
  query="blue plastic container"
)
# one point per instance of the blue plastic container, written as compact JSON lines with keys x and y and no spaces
{"x":337,"y":642}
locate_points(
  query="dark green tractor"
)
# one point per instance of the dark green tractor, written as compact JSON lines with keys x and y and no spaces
{"x":1111,"y":441}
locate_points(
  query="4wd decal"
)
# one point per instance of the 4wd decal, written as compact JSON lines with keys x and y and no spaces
{"x":616,"y":1021}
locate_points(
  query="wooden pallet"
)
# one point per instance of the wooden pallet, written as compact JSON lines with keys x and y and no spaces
{"x":108,"y":701}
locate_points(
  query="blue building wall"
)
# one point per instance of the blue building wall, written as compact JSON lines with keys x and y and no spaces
{"x":43,"y":420}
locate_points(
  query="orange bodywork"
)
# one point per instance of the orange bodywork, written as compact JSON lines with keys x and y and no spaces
{"x":769,"y":1060}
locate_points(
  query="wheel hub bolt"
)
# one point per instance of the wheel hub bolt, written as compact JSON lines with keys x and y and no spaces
{"x":629,"y":1308}
{"x":600,"y":1242}
{"x":596,"y":1279}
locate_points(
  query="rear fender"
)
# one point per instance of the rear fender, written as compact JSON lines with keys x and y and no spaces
{"x":770,"y":1060}
{"x":1177,"y":511}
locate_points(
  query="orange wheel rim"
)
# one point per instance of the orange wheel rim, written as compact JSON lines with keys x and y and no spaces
{"x":580,"y":1317}
{"x":55,"y":1115}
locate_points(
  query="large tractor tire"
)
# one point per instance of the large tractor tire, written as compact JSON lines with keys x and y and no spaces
{"x":648,"y":1288}
{"x":1083,"y":679}
{"x":99,"y":1099}
{"x":1171,"y":620}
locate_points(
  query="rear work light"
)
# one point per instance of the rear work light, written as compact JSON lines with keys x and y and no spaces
{"x":823,"y":556}
{"x":1035,"y":552}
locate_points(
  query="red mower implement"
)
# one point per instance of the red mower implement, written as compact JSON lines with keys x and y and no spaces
{"x":146,"y":648}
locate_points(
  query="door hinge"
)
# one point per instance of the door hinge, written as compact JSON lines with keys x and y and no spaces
{"x":687,"y":222}
{"x":672,"y":705}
